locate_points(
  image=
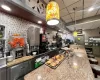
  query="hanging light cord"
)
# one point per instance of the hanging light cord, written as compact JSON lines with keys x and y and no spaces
{"x":75,"y":16}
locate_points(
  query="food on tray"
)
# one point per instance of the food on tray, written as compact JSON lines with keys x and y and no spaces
{"x":57,"y":62}
{"x":54,"y":58}
{"x":49,"y":61}
{"x":53,"y":64}
{"x":62,"y":56}
{"x":58,"y":56}
{"x":54,"y":61}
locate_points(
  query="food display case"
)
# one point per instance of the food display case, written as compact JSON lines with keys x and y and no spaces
{"x":55,"y":61}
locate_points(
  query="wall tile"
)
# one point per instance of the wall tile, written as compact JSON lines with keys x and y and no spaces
{"x":14,"y":25}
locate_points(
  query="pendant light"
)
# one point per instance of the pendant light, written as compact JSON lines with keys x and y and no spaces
{"x":52,"y":13}
{"x":75,"y":32}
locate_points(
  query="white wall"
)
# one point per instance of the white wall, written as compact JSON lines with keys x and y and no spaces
{"x":91,"y":33}
{"x":17,"y":25}
{"x":14,"y":25}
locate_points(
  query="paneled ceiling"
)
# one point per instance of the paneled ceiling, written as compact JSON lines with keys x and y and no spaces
{"x":83,"y":6}
{"x":86,"y":25}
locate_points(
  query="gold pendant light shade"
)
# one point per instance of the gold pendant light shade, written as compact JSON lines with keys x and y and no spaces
{"x":52,"y":13}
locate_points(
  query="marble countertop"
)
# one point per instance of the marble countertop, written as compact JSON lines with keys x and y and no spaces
{"x":74,"y":68}
{"x":19,"y":60}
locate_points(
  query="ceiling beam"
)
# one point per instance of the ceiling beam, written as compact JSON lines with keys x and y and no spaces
{"x":65,"y":25}
{"x":84,"y":20}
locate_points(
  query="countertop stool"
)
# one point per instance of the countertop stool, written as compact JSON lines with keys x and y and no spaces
{"x":93,"y":61}
{"x":90,"y":52}
{"x":96,"y":70}
{"x":91,"y":56}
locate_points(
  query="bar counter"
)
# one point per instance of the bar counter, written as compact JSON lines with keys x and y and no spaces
{"x":76,"y":68}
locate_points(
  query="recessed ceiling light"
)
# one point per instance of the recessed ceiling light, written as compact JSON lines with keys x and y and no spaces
{"x":5,"y":7}
{"x":91,"y":9}
{"x":40,"y":22}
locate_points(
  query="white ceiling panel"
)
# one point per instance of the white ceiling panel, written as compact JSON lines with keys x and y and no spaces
{"x":89,"y":14}
{"x":77,"y":4}
{"x":73,"y":27}
{"x":96,"y":24}
{"x":81,"y":26}
{"x":63,"y":12}
{"x":97,"y":1}
{"x":87,"y":25}
{"x":97,"y":5}
{"x":98,"y":12}
{"x":66,"y":17}
{"x":78,"y":27}
{"x":70,"y":28}
{"x":68,"y":20}
{"x":78,"y":15}
{"x":61,"y":4}
{"x":69,"y":2}
{"x":89,"y":3}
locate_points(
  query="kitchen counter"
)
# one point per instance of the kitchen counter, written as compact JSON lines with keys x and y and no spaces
{"x":74,"y":68}
{"x":19,"y":60}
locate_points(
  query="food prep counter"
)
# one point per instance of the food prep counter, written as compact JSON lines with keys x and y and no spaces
{"x":19,"y":60}
{"x":77,"y":68}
